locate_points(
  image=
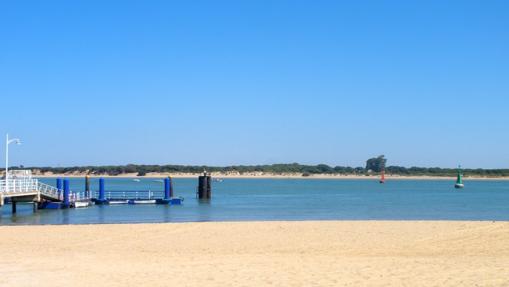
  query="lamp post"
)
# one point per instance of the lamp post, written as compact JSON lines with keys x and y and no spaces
{"x":7,"y":143}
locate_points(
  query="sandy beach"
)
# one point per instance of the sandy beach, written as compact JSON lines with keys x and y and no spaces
{"x":326,"y":253}
{"x":268,"y":176}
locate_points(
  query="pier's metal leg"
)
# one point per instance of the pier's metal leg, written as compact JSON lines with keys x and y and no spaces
{"x":35,"y":206}
{"x":13,"y":207}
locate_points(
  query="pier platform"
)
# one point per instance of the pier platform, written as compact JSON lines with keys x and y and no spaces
{"x":20,"y":187}
{"x":120,"y":197}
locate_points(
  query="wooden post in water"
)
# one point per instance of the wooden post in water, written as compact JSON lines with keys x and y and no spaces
{"x":13,"y":203}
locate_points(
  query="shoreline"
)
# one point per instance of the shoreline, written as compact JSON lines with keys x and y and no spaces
{"x":262,"y":253}
{"x":264,"y":221}
{"x":271,"y":176}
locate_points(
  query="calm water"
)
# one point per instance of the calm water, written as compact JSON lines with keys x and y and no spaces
{"x":294,"y":199}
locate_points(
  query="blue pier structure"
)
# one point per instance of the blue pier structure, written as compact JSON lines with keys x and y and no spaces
{"x":66,"y":201}
{"x":64,"y":197}
{"x":59,"y":186}
{"x":167,"y":188}
{"x":21,"y":187}
{"x":102,"y":198}
{"x":113,"y":197}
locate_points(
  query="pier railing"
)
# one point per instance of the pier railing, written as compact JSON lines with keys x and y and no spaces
{"x":140,"y":194}
{"x":23,"y":185}
{"x":53,"y":192}
{"x":78,"y":196}
{"x":50,"y":191}
{"x":30,"y":185}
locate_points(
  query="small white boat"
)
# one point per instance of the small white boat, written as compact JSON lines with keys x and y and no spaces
{"x":115,"y":202}
{"x":142,"y":201}
{"x":136,"y":180}
{"x":81,"y":204}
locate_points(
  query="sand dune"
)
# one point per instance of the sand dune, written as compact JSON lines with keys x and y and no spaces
{"x":328,"y":253}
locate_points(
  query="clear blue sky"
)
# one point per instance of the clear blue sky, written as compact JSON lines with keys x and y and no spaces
{"x":255,"y":82}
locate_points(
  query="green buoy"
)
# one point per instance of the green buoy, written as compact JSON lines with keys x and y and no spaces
{"x":459,"y":179}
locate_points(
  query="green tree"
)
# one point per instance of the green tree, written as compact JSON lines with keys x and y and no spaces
{"x":376,"y":164}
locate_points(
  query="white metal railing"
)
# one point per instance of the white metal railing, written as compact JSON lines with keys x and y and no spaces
{"x":77,"y":196}
{"x":29,"y":185}
{"x":50,"y":191}
{"x":139,"y":194}
{"x":18,"y":185}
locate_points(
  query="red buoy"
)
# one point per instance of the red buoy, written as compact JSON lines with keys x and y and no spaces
{"x":382,"y":176}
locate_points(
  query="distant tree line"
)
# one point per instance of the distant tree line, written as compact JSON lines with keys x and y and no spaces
{"x":144,"y":169}
{"x":373,"y":166}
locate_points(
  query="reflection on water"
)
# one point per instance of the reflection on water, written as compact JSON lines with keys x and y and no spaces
{"x":281,"y":199}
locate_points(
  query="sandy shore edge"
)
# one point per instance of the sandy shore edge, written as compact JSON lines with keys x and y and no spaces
{"x":301,"y":253}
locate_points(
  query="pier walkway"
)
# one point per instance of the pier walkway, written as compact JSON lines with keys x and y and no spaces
{"x":21,"y":187}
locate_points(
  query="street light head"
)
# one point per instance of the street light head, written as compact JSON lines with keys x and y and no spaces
{"x":15,"y":141}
